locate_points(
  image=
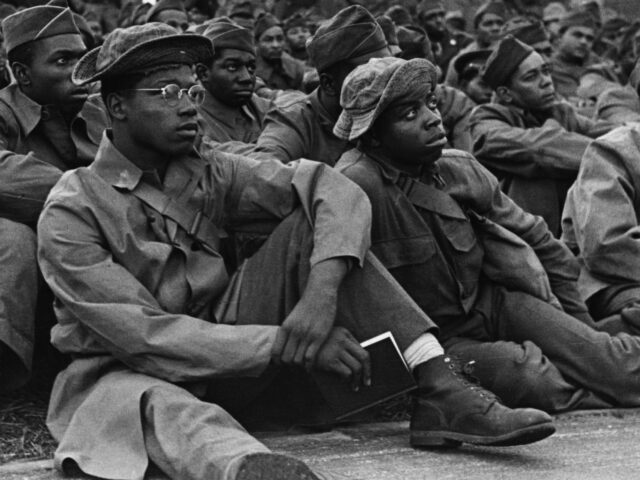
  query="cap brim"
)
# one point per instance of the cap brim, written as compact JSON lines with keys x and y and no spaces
{"x":184,"y":48}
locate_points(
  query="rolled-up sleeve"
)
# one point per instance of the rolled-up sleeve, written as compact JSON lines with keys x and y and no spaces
{"x":338,"y":210}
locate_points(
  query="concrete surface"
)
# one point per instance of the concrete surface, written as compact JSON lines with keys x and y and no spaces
{"x":587,"y":445}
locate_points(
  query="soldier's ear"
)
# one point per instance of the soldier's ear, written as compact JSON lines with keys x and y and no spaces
{"x":504,"y":94}
{"x":22,"y":73}
{"x":329,"y":85}
{"x":116,"y":106}
{"x":202,"y":72}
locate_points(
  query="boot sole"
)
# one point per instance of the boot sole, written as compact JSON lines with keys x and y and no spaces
{"x":445,"y":439}
{"x":271,"y":466}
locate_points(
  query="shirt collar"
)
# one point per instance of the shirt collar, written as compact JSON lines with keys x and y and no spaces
{"x":27,"y":112}
{"x":114,"y":167}
{"x":224,"y":113}
{"x":391,"y":174}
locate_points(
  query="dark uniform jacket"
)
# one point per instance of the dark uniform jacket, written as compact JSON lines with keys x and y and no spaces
{"x":601,"y":216}
{"x":223,"y":123}
{"x":435,"y":255}
{"x":36,"y":146}
{"x":537,"y":158}
{"x":286,"y":74}
{"x":301,"y":128}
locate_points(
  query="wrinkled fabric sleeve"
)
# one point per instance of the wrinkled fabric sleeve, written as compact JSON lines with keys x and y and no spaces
{"x":549,"y":151}
{"x":618,"y":104}
{"x":25,"y":180}
{"x":604,"y":205}
{"x":337,"y":208}
{"x":561,"y":266}
{"x":282,"y":137}
{"x":124,"y":316}
{"x":588,"y":127}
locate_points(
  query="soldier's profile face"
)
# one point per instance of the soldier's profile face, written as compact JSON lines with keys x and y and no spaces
{"x":50,"y":70}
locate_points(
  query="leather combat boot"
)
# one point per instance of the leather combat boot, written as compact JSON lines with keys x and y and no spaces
{"x":272,"y":466}
{"x":449,"y":408}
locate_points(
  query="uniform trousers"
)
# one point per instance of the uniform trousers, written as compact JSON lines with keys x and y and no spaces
{"x":194,"y":438}
{"x":532,"y":354}
{"x":18,"y":299}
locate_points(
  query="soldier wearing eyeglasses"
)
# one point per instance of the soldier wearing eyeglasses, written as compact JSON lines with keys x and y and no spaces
{"x":45,"y":128}
{"x":231,"y":110}
{"x":170,"y":342}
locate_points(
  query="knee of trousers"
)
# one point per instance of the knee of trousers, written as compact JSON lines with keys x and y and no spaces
{"x":528,"y":378}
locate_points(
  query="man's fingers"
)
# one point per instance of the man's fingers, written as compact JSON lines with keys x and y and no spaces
{"x":290,"y":349}
{"x":355,"y":367}
{"x":362,"y":356}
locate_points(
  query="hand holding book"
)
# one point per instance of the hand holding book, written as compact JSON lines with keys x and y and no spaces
{"x":342,"y":355}
{"x":390,"y":376}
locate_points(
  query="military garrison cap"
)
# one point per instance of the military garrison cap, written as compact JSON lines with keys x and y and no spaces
{"x":36,"y":23}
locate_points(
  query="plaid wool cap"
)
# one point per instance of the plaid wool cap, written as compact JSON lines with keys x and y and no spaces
{"x":350,"y":33}
{"x":225,"y":33}
{"x":139,"y":48}
{"x":504,"y":61}
{"x":36,"y":23}
{"x":371,"y":88}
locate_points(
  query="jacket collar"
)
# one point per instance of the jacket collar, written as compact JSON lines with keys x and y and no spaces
{"x":27,"y":112}
{"x":114,"y":167}
{"x":226,"y":114}
{"x":391,"y":174}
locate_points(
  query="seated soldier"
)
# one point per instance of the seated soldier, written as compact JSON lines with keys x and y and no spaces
{"x":278,"y":69}
{"x":303,"y":126}
{"x":458,"y":245}
{"x":297,"y":32}
{"x":527,"y":138}
{"x":231,"y":110}
{"x":157,"y":325}
{"x":488,"y":22}
{"x":573,"y":53}
{"x":600,"y":222}
{"x":42,"y":134}
{"x":447,"y":43}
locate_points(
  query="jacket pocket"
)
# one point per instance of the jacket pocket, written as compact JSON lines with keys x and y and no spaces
{"x":460,"y":234}
{"x":405,"y":251}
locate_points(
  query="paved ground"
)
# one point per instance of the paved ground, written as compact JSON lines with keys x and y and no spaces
{"x":587,"y":446}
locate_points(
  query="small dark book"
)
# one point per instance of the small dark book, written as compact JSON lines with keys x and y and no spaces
{"x":390,"y":377}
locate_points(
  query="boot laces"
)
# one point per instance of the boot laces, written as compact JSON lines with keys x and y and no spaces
{"x":464,"y":372}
